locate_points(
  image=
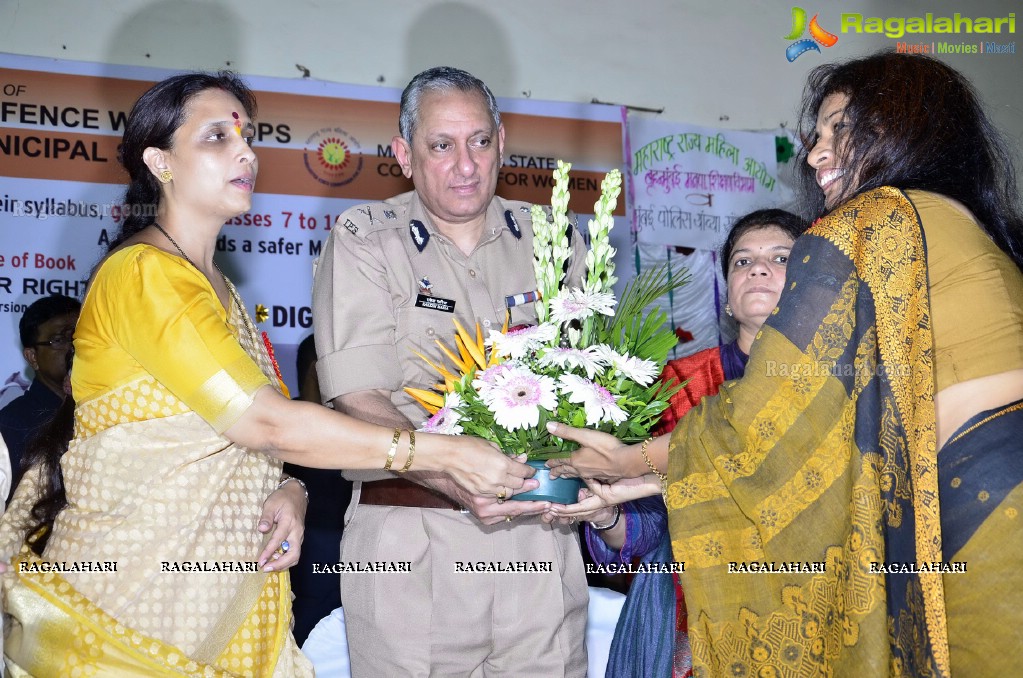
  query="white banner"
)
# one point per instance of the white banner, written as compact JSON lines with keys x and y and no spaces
{"x":689,"y":184}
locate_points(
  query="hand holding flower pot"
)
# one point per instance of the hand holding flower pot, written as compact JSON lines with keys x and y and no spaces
{"x":586,"y":362}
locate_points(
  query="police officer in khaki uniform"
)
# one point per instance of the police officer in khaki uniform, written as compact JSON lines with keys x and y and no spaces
{"x":392,"y":277}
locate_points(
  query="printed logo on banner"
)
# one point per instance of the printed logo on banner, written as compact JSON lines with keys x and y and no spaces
{"x":332,"y":156}
{"x":817,"y":36}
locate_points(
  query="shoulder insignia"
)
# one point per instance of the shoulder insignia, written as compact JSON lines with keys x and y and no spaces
{"x":513,"y":225}
{"x":368,"y":211}
{"x":364,"y":220}
{"x":420,"y":236}
{"x":526,"y":208}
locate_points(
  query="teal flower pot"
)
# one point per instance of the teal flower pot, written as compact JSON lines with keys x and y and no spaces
{"x":557,"y":490}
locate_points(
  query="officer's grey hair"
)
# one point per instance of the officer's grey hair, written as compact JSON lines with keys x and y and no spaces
{"x":440,"y":79}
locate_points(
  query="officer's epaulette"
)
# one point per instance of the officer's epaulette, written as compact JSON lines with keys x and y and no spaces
{"x":367,"y":218}
{"x":517,"y":211}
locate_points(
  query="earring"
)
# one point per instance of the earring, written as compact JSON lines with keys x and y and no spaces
{"x":166,"y":176}
{"x":728,"y":310}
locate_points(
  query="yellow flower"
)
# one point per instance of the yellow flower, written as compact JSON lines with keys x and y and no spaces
{"x":471,"y":355}
{"x":430,"y":401}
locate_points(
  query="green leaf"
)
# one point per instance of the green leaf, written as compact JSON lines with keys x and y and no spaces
{"x":629,"y":329}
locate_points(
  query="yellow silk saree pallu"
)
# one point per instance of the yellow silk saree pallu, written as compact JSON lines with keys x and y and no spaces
{"x":157,"y":614}
{"x":155,"y":489}
{"x":59,"y":632}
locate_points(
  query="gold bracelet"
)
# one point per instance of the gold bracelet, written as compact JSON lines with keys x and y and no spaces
{"x":411,"y":451}
{"x":663,"y":477}
{"x":394,"y":448}
{"x":301,"y":484}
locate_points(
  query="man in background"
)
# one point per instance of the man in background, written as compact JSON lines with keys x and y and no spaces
{"x":46,"y":332}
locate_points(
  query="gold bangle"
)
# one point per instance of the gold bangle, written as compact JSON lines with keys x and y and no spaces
{"x":301,"y":484}
{"x":411,"y":451}
{"x":663,"y":477}
{"x":394,"y":448}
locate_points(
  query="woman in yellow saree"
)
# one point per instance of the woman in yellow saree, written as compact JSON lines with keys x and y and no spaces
{"x":180,"y":429}
{"x":852,"y":505}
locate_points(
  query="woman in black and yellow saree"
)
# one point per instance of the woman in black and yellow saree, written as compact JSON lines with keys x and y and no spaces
{"x":852,"y":505}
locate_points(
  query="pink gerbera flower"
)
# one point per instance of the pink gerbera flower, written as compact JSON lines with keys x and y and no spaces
{"x":516,"y":397}
{"x":446,"y":420}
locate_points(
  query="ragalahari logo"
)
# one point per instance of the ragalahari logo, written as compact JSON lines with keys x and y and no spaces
{"x":817,"y":36}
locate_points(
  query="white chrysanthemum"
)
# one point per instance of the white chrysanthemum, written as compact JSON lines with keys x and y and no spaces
{"x":599,"y":404}
{"x":447,"y":420}
{"x":516,"y":397}
{"x":643,"y":372}
{"x":518,"y":344}
{"x":575,"y":304}
{"x":585,"y":359}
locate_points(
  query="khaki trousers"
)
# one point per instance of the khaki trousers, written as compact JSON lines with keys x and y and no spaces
{"x":436,"y":621}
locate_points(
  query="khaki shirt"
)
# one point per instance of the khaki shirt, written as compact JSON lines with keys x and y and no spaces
{"x":388,"y":285}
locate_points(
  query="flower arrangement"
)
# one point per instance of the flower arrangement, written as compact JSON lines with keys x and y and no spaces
{"x":590,"y":361}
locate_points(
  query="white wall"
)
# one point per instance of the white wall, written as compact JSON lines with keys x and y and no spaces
{"x":709,"y":62}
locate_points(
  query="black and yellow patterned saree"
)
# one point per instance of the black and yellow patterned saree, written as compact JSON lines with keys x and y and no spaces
{"x":804,"y":499}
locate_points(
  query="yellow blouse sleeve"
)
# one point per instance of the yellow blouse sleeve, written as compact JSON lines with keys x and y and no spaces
{"x":166,"y":316}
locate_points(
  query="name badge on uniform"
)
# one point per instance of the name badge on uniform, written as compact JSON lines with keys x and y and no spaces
{"x":435,"y":303}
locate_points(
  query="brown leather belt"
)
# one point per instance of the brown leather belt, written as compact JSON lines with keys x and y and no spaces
{"x":400,"y":492}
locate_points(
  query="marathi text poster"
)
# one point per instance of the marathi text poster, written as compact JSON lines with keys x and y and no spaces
{"x":689,"y":184}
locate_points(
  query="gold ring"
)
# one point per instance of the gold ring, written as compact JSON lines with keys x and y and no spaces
{"x":507,"y":519}
{"x":502,"y":495}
